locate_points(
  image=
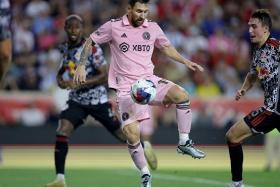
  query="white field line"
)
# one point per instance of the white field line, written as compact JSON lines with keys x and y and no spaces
{"x":182,"y":179}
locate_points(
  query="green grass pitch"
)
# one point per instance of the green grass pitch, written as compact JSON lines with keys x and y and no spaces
{"x":112,"y":167}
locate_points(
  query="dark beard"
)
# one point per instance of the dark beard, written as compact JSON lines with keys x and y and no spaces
{"x":135,"y":23}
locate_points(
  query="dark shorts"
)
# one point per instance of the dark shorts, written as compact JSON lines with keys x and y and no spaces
{"x":262,"y":121}
{"x":5,"y":24}
{"x":77,"y":113}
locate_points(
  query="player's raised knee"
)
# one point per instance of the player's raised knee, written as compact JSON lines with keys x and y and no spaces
{"x":230,"y":136}
{"x":131,"y":133}
{"x":176,"y":95}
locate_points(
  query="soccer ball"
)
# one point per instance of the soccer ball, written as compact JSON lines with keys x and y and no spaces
{"x":143,"y":91}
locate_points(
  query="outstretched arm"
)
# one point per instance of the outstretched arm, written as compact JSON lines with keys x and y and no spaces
{"x":171,"y":52}
{"x":247,"y":85}
{"x":80,"y":73}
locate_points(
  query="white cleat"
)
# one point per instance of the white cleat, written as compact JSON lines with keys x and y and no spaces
{"x":57,"y":183}
{"x":235,"y":184}
{"x":146,"y":180}
{"x":189,"y":149}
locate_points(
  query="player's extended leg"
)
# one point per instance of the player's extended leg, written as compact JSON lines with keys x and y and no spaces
{"x":64,"y":131}
{"x":113,"y":125}
{"x":146,"y":129}
{"x":148,"y":149}
{"x":234,"y":136}
{"x":176,"y":95}
{"x":132,"y":133}
{"x":5,"y":57}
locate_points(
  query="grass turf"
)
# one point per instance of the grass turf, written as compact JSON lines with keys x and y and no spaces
{"x":112,"y":167}
{"x":36,"y":177}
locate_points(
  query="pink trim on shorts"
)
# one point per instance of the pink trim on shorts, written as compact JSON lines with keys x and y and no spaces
{"x":132,"y":120}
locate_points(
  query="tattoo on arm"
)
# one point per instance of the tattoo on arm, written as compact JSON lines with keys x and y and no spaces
{"x":85,"y":51}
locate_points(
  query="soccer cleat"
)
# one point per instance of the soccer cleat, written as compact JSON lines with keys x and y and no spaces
{"x":146,"y":180}
{"x":56,"y":183}
{"x":235,"y":184}
{"x":189,"y":149}
{"x":150,"y":155}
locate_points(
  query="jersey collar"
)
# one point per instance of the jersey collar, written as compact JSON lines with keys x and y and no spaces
{"x":126,"y":22}
{"x":78,"y":44}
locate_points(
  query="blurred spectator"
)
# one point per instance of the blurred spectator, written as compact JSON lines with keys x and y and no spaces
{"x":206,"y":86}
{"x":38,"y":117}
{"x":221,"y":47}
{"x":48,"y":68}
{"x":227,"y":79}
{"x":29,"y":79}
{"x":35,"y":8}
{"x":23,"y":37}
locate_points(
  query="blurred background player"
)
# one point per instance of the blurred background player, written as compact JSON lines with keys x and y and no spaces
{"x":272,"y":149}
{"x":91,"y":98}
{"x":5,"y":38}
{"x":265,"y":68}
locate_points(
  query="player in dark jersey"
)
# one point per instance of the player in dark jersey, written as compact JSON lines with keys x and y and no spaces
{"x":5,"y":38}
{"x":90,"y":98}
{"x":265,"y":67}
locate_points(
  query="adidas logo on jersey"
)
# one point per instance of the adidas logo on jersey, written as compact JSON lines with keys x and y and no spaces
{"x":123,"y":35}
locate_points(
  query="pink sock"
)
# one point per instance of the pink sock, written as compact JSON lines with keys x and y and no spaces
{"x":137,"y":154}
{"x":184,"y":117}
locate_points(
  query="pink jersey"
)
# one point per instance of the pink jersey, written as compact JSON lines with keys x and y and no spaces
{"x":131,"y":50}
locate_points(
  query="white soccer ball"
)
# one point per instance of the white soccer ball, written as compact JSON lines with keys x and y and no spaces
{"x":143,"y":91}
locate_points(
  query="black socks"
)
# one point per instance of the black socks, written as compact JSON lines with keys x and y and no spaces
{"x":60,"y":153}
{"x":236,"y":160}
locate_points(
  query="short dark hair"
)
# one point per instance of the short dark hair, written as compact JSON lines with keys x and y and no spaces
{"x":133,"y":2}
{"x":73,"y":16}
{"x":264,"y":16}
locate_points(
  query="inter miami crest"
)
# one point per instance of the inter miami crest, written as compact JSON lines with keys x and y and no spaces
{"x":124,"y":47}
{"x":125,"y":116}
{"x":146,"y":35}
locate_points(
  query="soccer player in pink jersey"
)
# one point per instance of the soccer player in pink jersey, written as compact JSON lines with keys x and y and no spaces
{"x":132,"y":39}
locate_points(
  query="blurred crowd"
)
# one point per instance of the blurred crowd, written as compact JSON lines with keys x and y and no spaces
{"x":213,"y":33}
{"x":210,"y":32}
